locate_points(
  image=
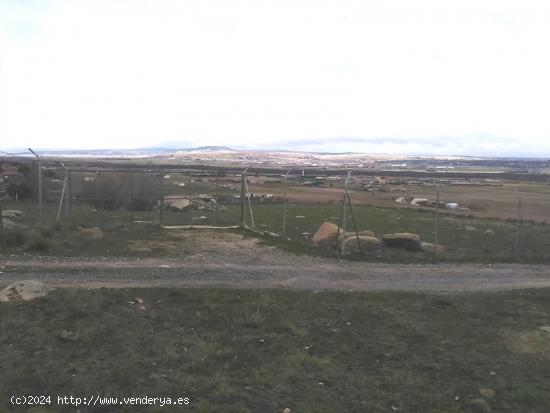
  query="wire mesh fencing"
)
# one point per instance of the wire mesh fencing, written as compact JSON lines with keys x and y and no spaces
{"x":451,"y":221}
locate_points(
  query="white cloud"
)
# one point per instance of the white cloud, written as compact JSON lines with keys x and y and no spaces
{"x":119,"y":73}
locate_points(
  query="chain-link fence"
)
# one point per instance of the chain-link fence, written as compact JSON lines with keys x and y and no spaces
{"x":444,"y":219}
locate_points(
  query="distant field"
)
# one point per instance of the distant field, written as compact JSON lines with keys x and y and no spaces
{"x":483,"y":201}
{"x":263,"y":351}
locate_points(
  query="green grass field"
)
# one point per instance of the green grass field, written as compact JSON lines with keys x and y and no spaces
{"x":263,"y":351}
{"x":463,"y":238}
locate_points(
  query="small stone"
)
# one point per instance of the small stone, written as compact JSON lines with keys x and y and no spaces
{"x":487,"y":393}
{"x":546,"y":329}
{"x":479,"y":406}
{"x":286,"y":410}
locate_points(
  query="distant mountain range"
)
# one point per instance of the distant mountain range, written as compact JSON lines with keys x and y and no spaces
{"x":118,"y":152}
{"x":167,"y":151}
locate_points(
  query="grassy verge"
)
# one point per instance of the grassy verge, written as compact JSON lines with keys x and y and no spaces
{"x":262,"y":351}
{"x":463,"y":238}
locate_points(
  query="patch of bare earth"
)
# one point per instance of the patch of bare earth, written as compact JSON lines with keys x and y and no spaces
{"x":203,"y":242}
{"x":534,"y":343}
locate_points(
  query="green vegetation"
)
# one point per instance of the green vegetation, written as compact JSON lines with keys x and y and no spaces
{"x":464,"y":238}
{"x":262,"y":351}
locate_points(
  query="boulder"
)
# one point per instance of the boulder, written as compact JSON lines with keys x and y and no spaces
{"x":326,"y":235}
{"x":430,"y":248}
{"x":23,"y":290}
{"x":488,"y":393}
{"x":367,"y":233}
{"x":403,"y":240}
{"x":94,"y":232}
{"x":478,"y":406}
{"x":367,"y":244}
{"x":9,"y":224}
{"x":13,"y":213}
{"x":176,"y":203}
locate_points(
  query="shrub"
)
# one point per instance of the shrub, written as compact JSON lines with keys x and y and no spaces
{"x":19,"y":191}
{"x":37,"y":243}
{"x":14,"y":237}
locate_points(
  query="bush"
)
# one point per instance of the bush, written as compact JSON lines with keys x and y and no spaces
{"x":37,"y":242}
{"x":14,"y":237}
{"x":19,"y":191}
{"x":111,"y":191}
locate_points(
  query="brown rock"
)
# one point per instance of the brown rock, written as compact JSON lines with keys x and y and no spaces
{"x":367,"y":233}
{"x":403,"y":240}
{"x":478,"y":406}
{"x":367,"y":244}
{"x":487,"y":393}
{"x":94,"y":232}
{"x":430,"y":248}
{"x":326,"y":235}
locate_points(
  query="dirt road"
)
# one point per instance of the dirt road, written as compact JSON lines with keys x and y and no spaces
{"x":272,"y":269}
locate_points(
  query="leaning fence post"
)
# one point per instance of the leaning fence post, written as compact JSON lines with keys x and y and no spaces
{"x":243,"y":178}
{"x":344,"y":217}
{"x":249,"y":205}
{"x":64,"y":191}
{"x":354,"y":223}
{"x":62,"y":198}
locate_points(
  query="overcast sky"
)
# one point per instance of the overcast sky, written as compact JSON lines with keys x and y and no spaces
{"x":419,"y":77}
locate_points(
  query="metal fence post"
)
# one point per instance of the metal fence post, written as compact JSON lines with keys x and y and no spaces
{"x":285,"y":202}
{"x":518,"y":223}
{"x":1,"y":227}
{"x":217,"y":197}
{"x":243,"y":178}
{"x":62,"y":199}
{"x":101,"y":199}
{"x":68,"y":195}
{"x":344,"y":216}
{"x":353,"y":221}
{"x":249,"y":204}
{"x":40,"y":213}
{"x":161,"y":200}
{"x":132,"y":198}
{"x":436,"y":223}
